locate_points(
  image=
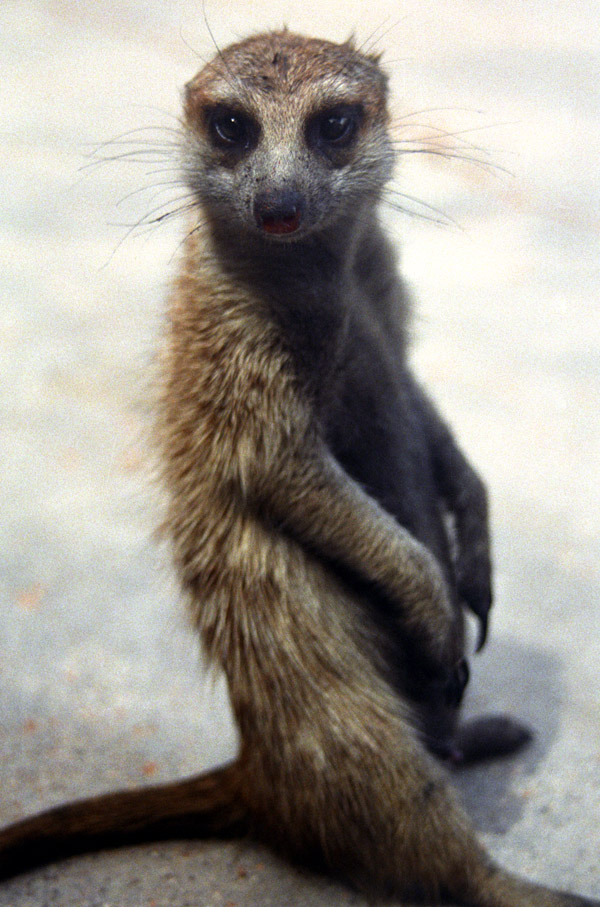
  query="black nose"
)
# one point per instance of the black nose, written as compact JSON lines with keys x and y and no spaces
{"x":279,"y":210}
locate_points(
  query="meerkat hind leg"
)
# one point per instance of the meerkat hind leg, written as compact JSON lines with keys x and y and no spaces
{"x":407,"y":840}
{"x":488,"y":737}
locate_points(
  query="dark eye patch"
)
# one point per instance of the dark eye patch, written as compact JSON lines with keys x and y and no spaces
{"x":334,"y":128}
{"x":231,"y":129}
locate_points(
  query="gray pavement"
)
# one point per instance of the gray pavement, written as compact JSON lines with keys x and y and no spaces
{"x":100,"y":679}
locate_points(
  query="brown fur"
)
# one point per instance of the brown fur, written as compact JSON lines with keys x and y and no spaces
{"x":290,"y":563}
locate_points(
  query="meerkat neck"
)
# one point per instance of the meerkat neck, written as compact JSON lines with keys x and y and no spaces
{"x":315,"y":261}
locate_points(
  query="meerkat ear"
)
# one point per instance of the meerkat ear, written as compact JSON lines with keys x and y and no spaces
{"x":350,"y":43}
{"x":375,"y":57}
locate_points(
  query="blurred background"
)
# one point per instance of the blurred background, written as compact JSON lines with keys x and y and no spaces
{"x":100,"y":679}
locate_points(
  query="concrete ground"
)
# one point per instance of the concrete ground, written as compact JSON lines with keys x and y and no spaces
{"x":100,"y":679}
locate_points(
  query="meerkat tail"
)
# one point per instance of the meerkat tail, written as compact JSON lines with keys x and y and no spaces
{"x":494,"y":887}
{"x":509,"y":891}
{"x":202,"y":806}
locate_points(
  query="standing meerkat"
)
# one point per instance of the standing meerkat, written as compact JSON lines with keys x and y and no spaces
{"x":311,"y":486}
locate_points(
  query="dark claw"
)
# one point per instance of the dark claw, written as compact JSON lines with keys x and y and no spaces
{"x":457,"y":684}
{"x":479,"y":602}
{"x":483,"y":630}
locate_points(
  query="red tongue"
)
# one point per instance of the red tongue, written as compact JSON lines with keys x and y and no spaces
{"x":281,"y":224}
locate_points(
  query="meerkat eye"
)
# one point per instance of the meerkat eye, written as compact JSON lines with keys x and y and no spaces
{"x":230,"y":129}
{"x":334,"y":128}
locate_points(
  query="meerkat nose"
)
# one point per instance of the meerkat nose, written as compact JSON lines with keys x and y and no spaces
{"x":279,"y":211}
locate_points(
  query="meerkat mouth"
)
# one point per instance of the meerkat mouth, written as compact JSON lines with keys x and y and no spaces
{"x":281,"y":225}
{"x":279,"y":212}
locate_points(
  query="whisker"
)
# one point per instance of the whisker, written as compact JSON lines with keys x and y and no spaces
{"x":134,"y":132}
{"x":449,"y":154}
{"x":132,"y":146}
{"x":149,"y":225}
{"x":431,"y":219}
{"x":196,"y":52}
{"x":160,"y":146}
{"x":162,"y":110}
{"x":451,"y":144}
{"x":149,"y":218}
{"x":438,"y":136}
{"x":230,"y":81}
{"x":160,"y":186}
{"x":373,"y":38}
{"x":416,"y":113}
{"x":135,"y":156}
{"x":188,"y":235}
{"x":432,"y":214}
{"x":457,"y":134}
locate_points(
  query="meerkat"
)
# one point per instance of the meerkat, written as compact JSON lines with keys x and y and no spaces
{"x":326,"y":528}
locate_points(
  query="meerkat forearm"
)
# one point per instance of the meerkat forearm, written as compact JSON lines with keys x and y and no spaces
{"x":466,"y":498}
{"x":316,"y":501}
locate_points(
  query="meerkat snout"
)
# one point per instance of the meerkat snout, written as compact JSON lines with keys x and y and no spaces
{"x":279,"y":211}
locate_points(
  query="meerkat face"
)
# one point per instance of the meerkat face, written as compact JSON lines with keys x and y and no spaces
{"x":286,"y":135}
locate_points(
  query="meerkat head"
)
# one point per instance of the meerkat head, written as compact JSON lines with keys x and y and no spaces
{"x":286,"y":135}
